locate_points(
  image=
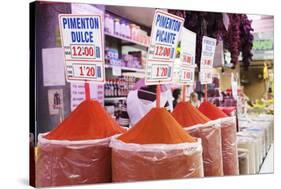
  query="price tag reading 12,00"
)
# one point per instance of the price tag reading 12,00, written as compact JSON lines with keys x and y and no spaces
{"x":161,"y":53}
{"x":82,"y":39}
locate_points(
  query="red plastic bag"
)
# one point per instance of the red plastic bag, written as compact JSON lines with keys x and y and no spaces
{"x":210,"y":134}
{"x":73,"y":162}
{"x":138,"y":162}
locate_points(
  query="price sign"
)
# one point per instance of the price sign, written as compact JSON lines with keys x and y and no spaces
{"x":208,"y":52}
{"x":82,"y":40}
{"x":206,"y":76}
{"x":187,"y":58}
{"x":165,"y":33}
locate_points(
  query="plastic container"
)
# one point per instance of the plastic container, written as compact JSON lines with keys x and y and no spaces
{"x":139,"y":162}
{"x":229,"y":146}
{"x":246,"y":142}
{"x":243,"y":155}
{"x":72,"y":162}
{"x":117,"y":27}
{"x":210,"y":134}
{"x":156,"y":148}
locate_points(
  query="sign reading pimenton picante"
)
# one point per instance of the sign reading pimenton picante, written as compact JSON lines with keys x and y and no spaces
{"x":165,"y":33}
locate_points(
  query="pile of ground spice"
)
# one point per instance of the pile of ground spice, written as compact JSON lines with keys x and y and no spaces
{"x":87,"y":122}
{"x":157,"y":127}
{"x":69,"y":163}
{"x":211,"y":111}
{"x":187,"y":115}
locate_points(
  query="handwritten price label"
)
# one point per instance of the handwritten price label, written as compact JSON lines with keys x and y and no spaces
{"x":160,"y":71}
{"x":187,"y":75}
{"x":187,"y":59}
{"x":84,"y":71}
{"x":206,"y":76}
{"x":84,"y":52}
{"x":207,"y":62}
{"x":163,"y":52}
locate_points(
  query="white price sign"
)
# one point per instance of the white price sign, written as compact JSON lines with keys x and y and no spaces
{"x":187,"y":57}
{"x":206,"y":76}
{"x":83,"y":42}
{"x":208,"y":52}
{"x":165,"y":34}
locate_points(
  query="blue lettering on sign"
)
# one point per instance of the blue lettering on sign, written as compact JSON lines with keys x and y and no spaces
{"x":81,"y":28}
{"x":165,"y":37}
{"x":170,"y":28}
{"x":82,"y":37}
{"x":168,"y":23}
{"x":80,"y":23}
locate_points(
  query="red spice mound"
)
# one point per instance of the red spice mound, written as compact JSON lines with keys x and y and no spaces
{"x":211,"y":111}
{"x":157,"y":127}
{"x":187,"y":115}
{"x":87,"y":122}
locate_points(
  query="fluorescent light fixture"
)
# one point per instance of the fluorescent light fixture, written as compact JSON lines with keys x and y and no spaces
{"x":254,"y":17}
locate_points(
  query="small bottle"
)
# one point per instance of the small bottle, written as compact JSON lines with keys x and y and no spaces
{"x":122,"y":28}
{"x":138,"y":33}
{"x":132,"y":28}
{"x":117,"y":26}
{"x":110,"y":24}
{"x":106,"y":22}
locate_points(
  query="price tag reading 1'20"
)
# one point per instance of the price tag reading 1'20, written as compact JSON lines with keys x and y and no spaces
{"x":85,"y":71}
{"x":160,"y":71}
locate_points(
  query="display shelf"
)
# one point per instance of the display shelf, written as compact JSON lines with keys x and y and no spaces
{"x":114,"y":98}
{"x":126,"y":39}
{"x":127,"y":68}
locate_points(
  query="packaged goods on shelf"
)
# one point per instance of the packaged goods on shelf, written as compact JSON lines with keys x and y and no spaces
{"x":155,"y":144}
{"x":132,"y":60}
{"x":198,"y":125}
{"x":244,"y":161}
{"x":228,"y":134}
{"x":119,"y":87}
{"x":77,"y":150}
{"x":267,"y":121}
{"x":108,"y":23}
{"x":124,"y":29}
{"x":258,"y":144}
{"x":246,"y":142}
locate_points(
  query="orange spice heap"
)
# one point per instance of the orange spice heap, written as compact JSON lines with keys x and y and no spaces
{"x":211,"y":111}
{"x":87,"y":122}
{"x":187,"y":115}
{"x":157,"y":127}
